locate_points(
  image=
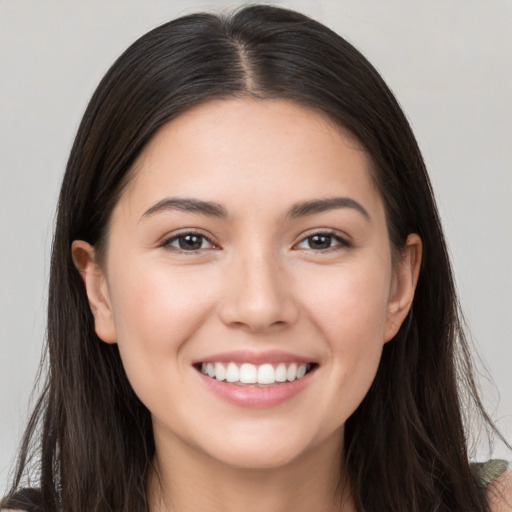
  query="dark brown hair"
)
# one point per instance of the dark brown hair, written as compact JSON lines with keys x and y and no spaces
{"x":406,"y":446}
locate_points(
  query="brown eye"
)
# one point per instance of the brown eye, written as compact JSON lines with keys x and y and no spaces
{"x":189,"y":242}
{"x":319,"y":241}
{"x":323,"y":242}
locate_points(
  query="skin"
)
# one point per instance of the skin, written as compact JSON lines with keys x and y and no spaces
{"x":258,"y":285}
{"x":500,"y":493}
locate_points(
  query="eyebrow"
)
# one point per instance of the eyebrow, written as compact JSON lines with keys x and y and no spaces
{"x":213,"y":209}
{"x":188,"y":205}
{"x":323,"y":205}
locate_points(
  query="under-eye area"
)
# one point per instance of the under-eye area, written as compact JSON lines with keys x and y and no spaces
{"x":247,"y":374}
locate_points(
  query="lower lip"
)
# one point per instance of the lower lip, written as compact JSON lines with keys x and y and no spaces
{"x":256,"y":397}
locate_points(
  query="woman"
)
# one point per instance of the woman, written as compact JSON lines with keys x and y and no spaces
{"x":251,"y":304}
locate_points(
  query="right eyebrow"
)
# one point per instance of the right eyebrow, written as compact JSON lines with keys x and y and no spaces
{"x":208,"y":208}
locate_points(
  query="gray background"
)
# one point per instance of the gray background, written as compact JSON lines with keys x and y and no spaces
{"x":449,"y":63}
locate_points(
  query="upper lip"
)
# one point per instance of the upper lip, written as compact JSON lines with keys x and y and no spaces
{"x":255,"y":357}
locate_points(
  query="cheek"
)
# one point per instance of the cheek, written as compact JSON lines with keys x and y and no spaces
{"x":349,"y":311}
{"x":156,"y":311}
{"x":349,"y":304}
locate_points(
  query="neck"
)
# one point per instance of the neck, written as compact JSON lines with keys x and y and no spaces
{"x":188,"y":480}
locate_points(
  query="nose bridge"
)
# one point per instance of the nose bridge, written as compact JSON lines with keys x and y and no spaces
{"x":257,"y":292}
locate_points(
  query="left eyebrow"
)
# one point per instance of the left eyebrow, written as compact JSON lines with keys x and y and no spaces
{"x":323,"y":205}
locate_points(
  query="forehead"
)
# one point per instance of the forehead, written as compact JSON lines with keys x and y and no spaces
{"x":250,"y":150}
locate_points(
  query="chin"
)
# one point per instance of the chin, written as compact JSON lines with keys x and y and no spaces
{"x":256,"y":449}
{"x":256,"y":457}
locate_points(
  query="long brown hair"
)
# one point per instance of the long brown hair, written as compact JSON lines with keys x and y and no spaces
{"x":91,"y":437}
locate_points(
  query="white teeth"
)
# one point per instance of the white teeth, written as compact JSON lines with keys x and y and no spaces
{"x":220,"y":371}
{"x":281,"y":372}
{"x":232,"y":373}
{"x":266,"y":374}
{"x":248,"y":373}
{"x":291,"y":373}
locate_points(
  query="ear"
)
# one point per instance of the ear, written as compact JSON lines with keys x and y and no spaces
{"x":405,"y":277}
{"x":84,"y":258}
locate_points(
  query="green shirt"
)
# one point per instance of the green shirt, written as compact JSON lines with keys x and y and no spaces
{"x":490,"y":470}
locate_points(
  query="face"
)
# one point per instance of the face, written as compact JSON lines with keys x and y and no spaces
{"x":249,"y":247}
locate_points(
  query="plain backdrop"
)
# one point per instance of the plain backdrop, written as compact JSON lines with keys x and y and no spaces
{"x":449,"y":63}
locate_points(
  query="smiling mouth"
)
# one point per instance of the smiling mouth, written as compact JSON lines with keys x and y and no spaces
{"x":247,"y":374}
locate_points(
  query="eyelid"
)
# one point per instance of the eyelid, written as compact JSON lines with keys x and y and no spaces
{"x":342,"y":239}
{"x":168,"y":239}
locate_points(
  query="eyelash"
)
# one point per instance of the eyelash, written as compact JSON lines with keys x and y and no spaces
{"x":168,"y":242}
{"x":341,"y":242}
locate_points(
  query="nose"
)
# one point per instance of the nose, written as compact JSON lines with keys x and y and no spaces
{"x":258,"y":295}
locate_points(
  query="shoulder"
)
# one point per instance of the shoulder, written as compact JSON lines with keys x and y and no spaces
{"x":500,"y":493}
{"x":497,"y":476}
